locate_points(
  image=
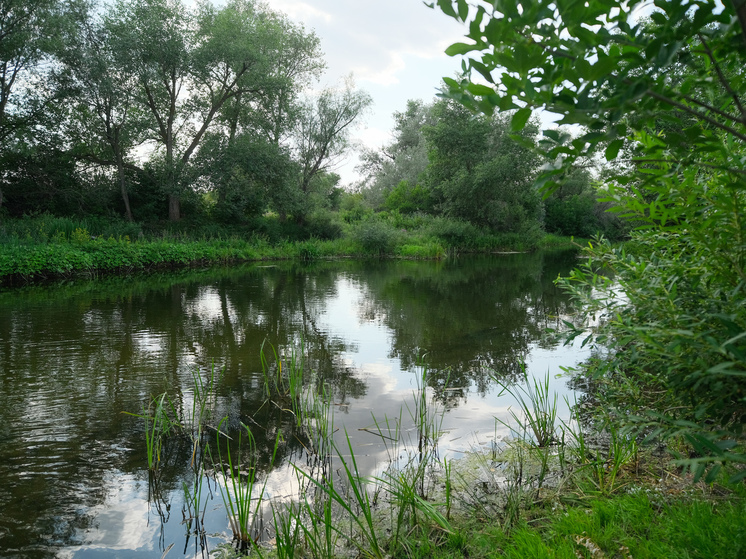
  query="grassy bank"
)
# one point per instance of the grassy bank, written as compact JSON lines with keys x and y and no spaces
{"x":47,"y":247}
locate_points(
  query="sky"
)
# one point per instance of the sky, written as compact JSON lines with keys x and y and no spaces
{"x":393,"y":48}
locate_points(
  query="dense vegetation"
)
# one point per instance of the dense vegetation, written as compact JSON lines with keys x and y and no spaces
{"x":662,"y":99}
{"x":162,"y":119}
{"x":148,"y":132}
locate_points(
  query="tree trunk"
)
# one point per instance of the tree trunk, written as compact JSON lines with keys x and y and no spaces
{"x":123,"y":188}
{"x":174,"y":207}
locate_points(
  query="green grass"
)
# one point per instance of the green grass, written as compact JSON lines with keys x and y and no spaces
{"x":46,"y":247}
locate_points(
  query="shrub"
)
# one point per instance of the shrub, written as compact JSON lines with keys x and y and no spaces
{"x":322,"y":225}
{"x":455,"y":233}
{"x":376,"y":237}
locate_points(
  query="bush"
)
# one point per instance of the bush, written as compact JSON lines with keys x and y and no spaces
{"x":455,"y":233}
{"x":323,"y":225}
{"x":376,"y":237}
{"x":681,"y":326}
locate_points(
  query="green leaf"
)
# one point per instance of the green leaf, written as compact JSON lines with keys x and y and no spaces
{"x":447,"y":7}
{"x":612,"y":150}
{"x":520,"y":118}
{"x":479,"y":89}
{"x":460,"y":48}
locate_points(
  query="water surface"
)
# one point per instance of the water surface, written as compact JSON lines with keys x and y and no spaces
{"x":74,"y":356}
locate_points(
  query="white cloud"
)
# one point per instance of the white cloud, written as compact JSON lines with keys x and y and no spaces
{"x":301,"y":11}
{"x":394,"y":48}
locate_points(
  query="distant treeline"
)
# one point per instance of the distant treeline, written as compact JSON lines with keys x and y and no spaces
{"x":158,"y":111}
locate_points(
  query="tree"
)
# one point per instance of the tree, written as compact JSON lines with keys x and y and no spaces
{"x":681,"y":330}
{"x":322,"y":134}
{"x":401,"y":164}
{"x":596,"y":65}
{"x":190,"y":65}
{"x":246,"y":174}
{"x":25,"y":30}
{"x":478,"y":173}
{"x":105,"y":123}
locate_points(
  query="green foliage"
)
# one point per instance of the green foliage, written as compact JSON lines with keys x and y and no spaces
{"x":571,"y":216}
{"x":246,"y":175}
{"x":404,"y":160}
{"x":478,"y":173}
{"x":599,"y":66}
{"x":323,"y":224}
{"x":454,"y":232}
{"x":408,"y":199}
{"x":666,"y":94}
{"x":681,"y":321}
{"x":376,"y":237}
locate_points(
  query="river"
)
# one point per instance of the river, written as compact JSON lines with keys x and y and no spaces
{"x":74,"y":356}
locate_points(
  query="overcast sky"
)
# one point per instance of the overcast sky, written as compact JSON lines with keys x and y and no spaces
{"x":394,"y":48}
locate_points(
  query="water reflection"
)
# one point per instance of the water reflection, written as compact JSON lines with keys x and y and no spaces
{"x":73,"y":476}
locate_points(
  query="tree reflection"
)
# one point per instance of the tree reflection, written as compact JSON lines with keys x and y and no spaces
{"x":469,"y":319}
{"x":74,"y":356}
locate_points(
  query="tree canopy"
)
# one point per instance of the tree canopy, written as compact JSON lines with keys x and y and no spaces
{"x":143,"y":98}
{"x":613,"y":69}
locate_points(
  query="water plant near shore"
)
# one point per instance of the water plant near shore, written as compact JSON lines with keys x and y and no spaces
{"x":239,"y":485}
{"x":284,"y":381}
{"x":354,"y":500}
{"x":158,"y":424}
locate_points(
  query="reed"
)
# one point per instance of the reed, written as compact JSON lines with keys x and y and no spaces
{"x":204,"y":402}
{"x":428,"y":420}
{"x":317,"y":523}
{"x":317,"y":420}
{"x":195,"y":500}
{"x":602,"y":468}
{"x":284,"y":380}
{"x":538,"y":408}
{"x":287,"y":526}
{"x":158,"y":424}
{"x":354,"y":502}
{"x":239,"y":487}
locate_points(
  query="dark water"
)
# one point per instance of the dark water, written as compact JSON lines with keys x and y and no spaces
{"x":73,"y":357}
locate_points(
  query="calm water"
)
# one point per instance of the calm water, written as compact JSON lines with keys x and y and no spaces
{"x":73,"y":357}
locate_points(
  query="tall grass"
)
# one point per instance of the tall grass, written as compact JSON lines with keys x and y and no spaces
{"x":160,"y":420}
{"x":283,"y":380}
{"x":602,"y":466}
{"x":204,"y":401}
{"x":537,"y":408}
{"x":239,"y":485}
{"x":355,"y":502}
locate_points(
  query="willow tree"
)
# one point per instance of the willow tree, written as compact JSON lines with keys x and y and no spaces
{"x":26,"y":28}
{"x":322,"y":133}
{"x":189,"y":64}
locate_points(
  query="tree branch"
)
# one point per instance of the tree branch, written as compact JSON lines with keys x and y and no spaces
{"x":722,"y":78}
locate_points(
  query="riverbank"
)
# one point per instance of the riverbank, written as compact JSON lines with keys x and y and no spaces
{"x":52,"y":248}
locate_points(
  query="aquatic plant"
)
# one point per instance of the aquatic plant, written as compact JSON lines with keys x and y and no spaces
{"x":287,"y":524}
{"x":158,"y":424}
{"x":538,"y":407}
{"x":204,"y":400}
{"x":239,"y":486}
{"x":354,"y":501}
{"x":603,"y":467}
{"x":284,"y":381}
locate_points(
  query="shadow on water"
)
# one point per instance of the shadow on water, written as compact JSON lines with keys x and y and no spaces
{"x":75,"y":355}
